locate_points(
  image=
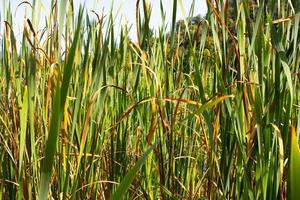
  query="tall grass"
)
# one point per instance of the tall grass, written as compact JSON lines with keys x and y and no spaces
{"x":87,"y":113}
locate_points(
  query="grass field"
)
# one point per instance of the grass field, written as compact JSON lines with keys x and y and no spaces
{"x":87,"y":113}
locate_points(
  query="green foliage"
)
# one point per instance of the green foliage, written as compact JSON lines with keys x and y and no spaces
{"x":294,"y":165}
{"x":80,"y":104}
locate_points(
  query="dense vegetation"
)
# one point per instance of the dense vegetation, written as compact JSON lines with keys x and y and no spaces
{"x":207,"y":110}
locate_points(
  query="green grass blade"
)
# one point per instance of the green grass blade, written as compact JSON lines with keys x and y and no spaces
{"x":214,"y":102}
{"x":125,"y":184}
{"x":294,"y":166}
{"x":23,"y":127}
{"x":55,"y":125}
{"x":59,"y":102}
{"x":62,"y":15}
{"x":68,"y":69}
{"x":23,"y":124}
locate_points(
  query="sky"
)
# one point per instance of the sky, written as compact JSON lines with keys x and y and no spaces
{"x":125,"y":15}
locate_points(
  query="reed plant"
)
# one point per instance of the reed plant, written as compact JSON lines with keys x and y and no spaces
{"x":88,"y":113}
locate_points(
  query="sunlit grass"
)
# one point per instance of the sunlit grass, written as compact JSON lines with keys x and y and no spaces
{"x":87,"y":113}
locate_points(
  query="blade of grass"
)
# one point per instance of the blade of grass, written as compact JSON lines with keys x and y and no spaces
{"x":126,"y":182}
{"x":294,"y":166}
{"x":23,"y":127}
{"x":55,"y":124}
{"x":51,"y":144}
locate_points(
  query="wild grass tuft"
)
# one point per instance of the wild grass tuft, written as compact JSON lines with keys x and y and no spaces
{"x":207,"y":110}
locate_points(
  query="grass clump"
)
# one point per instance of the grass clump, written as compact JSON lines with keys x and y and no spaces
{"x":208,"y":110}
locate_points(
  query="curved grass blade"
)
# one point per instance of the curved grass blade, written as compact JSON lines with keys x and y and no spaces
{"x":214,"y":102}
{"x":125,"y":184}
